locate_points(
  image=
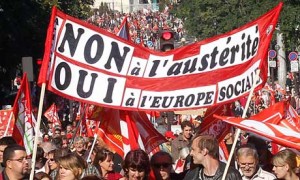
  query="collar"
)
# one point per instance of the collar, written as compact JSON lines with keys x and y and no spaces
{"x":259,"y":173}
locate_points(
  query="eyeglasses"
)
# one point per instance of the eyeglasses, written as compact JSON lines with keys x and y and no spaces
{"x":250,"y":165}
{"x":19,"y":160}
{"x":164,"y":165}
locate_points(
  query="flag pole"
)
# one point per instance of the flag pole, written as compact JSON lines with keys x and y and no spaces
{"x":237,"y":134}
{"x":93,"y":145}
{"x":77,"y":125}
{"x":37,"y":127}
{"x":8,"y":124}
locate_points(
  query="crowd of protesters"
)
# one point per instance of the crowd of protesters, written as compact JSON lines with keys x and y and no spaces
{"x":185,"y":155}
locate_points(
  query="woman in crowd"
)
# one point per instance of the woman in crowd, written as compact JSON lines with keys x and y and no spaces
{"x":136,"y":165}
{"x":104,"y":162}
{"x":42,"y":176}
{"x":71,"y":167}
{"x":285,"y":165}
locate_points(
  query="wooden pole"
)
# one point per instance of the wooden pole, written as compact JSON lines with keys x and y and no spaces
{"x":237,"y":134}
{"x":37,"y":130}
{"x":91,"y":150}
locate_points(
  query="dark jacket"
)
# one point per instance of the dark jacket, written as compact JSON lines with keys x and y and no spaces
{"x":232,"y":174}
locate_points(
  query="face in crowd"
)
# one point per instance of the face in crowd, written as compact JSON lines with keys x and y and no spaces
{"x":187,"y":132}
{"x":16,"y":163}
{"x":247,"y":159}
{"x":51,"y":161}
{"x":161,"y":164}
{"x":136,"y":165}
{"x":71,"y":167}
{"x":285,"y":164}
{"x":103,"y":160}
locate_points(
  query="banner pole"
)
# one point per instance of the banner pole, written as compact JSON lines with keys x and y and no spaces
{"x":36,"y":129}
{"x":93,"y":145}
{"x":8,"y":124}
{"x":78,"y":125}
{"x":237,"y":134}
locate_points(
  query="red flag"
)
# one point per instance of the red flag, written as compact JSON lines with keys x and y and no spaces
{"x":49,"y":44}
{"x":126,"y":130}
{"x":279,"y":123}
{"x":23,"y":131}
{"x":214,"y":126}
{"x":93,"y":112}
{"x":7,"y":120}
{"x":110,"y":131}
{"x":52,"y":115}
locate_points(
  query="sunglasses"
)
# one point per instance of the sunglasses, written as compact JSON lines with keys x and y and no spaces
{"x":162,"y":165}
{"x":51,"y":159}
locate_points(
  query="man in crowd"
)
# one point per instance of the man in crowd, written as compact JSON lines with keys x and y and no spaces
{"x":183,"y":140}
{"x":248,"y":161}
{"x":205,"y":152}
{"x":4,"y":142}
{"x":15,"y":162}
{"x":168,"y":145}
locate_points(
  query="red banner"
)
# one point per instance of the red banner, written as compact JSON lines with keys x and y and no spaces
{"x":7,"y":122}
{"x":86,"y":63}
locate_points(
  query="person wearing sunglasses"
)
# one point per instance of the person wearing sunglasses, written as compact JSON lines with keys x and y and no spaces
{"x":248,"y":162}
{"x":15,"y":162}
{"x":161,"y":166}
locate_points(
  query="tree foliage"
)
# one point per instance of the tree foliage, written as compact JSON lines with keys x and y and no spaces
{"x":207,"y":18}
{"x":23,"y":29}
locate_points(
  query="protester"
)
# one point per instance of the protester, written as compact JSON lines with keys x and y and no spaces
{"x":167,"y":146}
{"x":205,"y":152}
{"x":4,"y":142}
{"x":136,"y":165}
{"x":71,"y":167}
{"x":104,"y":163}
{"x":47,"y":147}
{"x":79,"y":146}
{"x":161,"y":165}
{"x":228,"y":139}
{"x":285,"y":163}
{"x":15,"y":163}
{"x":42,"y":176}
{"x":183,"y":140}
{"x":40,"y":160}
{"x":51,"y":166}
{"x":248,"y":162}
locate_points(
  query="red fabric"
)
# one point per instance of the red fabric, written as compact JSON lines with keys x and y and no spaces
{"x":48,"y":48}
{"x":113,"y":176}
{"x":214,"y":126}
{"x":272,"y":124}
{"x":144,"y":78}
{"x":52,"y":116}
{"x":126,"y":130}
{"x":5,"y":117}
{"x":23,"y":129}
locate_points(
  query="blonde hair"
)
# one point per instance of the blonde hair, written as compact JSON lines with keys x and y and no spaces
{"x":73,"y":162}
{"x":286,"y":156}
